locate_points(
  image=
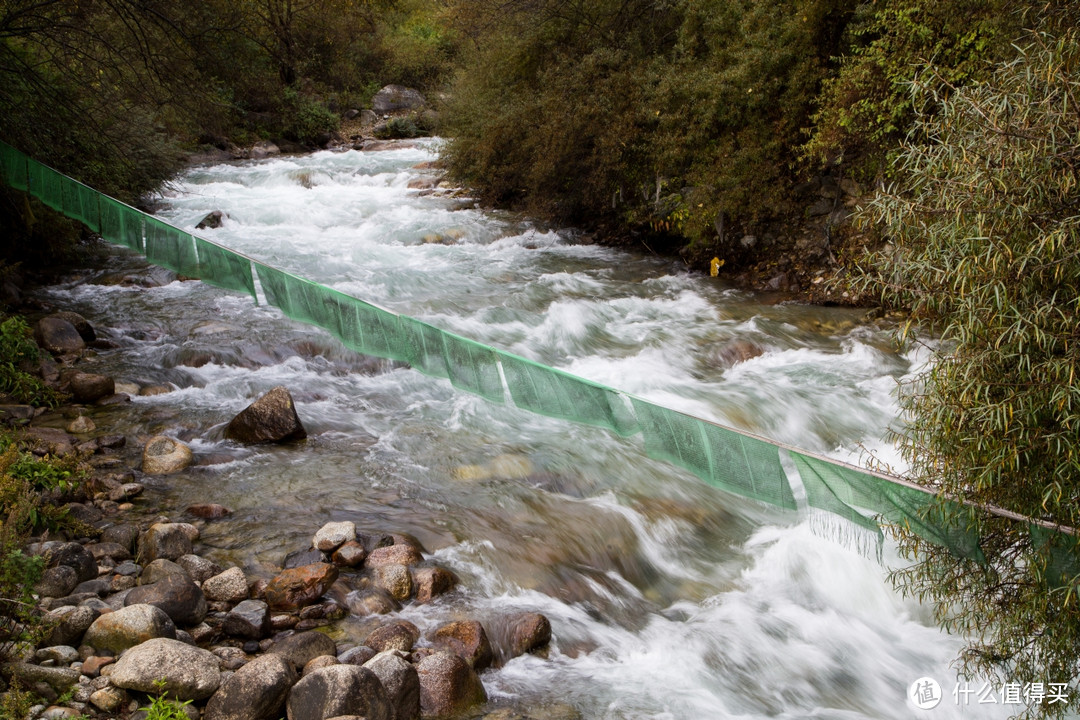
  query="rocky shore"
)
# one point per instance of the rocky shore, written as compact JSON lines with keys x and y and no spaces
{"x":136,"y":608}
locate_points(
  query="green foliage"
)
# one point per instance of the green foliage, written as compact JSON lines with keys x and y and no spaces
{"x":865,"y":108}
{"x":661,"y":113}
{"x":306,"y":120}
{"x":984,"y":229}
{"x":161,"y":708}
{"x":403,"y":127}
{"x":16,"y":348}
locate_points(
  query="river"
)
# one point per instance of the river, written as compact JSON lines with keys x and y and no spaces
{"x":668,"y":599}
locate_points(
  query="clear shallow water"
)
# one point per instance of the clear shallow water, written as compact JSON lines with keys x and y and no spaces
{"x":668,"y":599}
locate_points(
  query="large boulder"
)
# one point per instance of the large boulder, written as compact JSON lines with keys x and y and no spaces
{"x":165,"y":540}
{"x":401,"y":681}
{"x":90,"y":387}
{"x":168,"y":666}
{"x":294,"y":588}
{"x":159,"y":570}
{"x":448,"y":686}
{"x":302,"y":648}
{"x":125,"y":628}
{"x":397,"y":97}
{"x":163,"y":455}
{"x":394,"y":555}
{"x":82,"y":325}
{"x":339,"y":690}
{"x":57,"y":582}
{"x":181,"y":599}
{"x":270,"y":419}
{"x":59,"y":679}
{"x":394,"y":579}
{"x":256,"y":691}
{"x":199,"y":568}
{"x":467,"y":640}
{"x":58,"y":336}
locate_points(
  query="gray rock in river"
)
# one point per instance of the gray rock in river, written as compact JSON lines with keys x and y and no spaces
{"x":401,"y":681}
{"x":125,"y":628}
{"x":181,"y":599}
{"x":256,"y":691}
{"x":448,"y":686}
{"x":162,"y":665}
{"x":270,"y":419}
{"x":340,"y":690}
{"x":58,"y":336}
{"x":163,"y":455}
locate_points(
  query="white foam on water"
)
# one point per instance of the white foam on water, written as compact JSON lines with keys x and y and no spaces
{"x":771,"y":622}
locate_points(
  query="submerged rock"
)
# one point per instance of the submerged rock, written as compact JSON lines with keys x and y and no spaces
{"x":270,"y":419}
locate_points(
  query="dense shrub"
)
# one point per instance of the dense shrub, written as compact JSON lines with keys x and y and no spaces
{"x":984,"y":224}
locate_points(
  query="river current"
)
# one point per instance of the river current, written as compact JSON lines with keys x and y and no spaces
{"x":668,"y":599}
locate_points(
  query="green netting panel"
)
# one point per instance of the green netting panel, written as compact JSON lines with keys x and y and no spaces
{"x":371,"y":330}
{"x":427,"y":351}
{"x":747,"y":466}
{"x":547,"y":391}
{"x":361,"y":327}
{"x":1063,"y":555}
{"x":223,"y":268}
{"x":840,"y":489}
{"x":120,"y":224}
{"x":13,"y":165}
{"x":171,"y":248}
{"x":473,"y":367}
{"x":672,"y":436}
{"x":46,"y":184}
{"x":291,"y":295}
{"x":80,"y":203}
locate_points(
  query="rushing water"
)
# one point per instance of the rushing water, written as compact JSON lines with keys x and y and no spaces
{"x":668,"y":599}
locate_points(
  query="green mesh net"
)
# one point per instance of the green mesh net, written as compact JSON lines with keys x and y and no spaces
{"x":473,"y":367}
{"x":292,"y":295}
{"x":223,"y":268}
{"x":721,"y":457}
{"x":725,"y":458}
{"x":13,"y":165}
{"x":427,"y":352}
{"x":841,"y":489}
{"x":46,"y":184}
{"x":1062,"y":555}
{"x":361,"y":327}
{"x":121,"y":224}
{"x":547,"y":391}
{"x":80,"y":203}
{"x":171,"y":248}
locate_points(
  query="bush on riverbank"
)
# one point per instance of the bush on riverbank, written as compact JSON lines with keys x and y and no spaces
{"x":984,"y":226}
